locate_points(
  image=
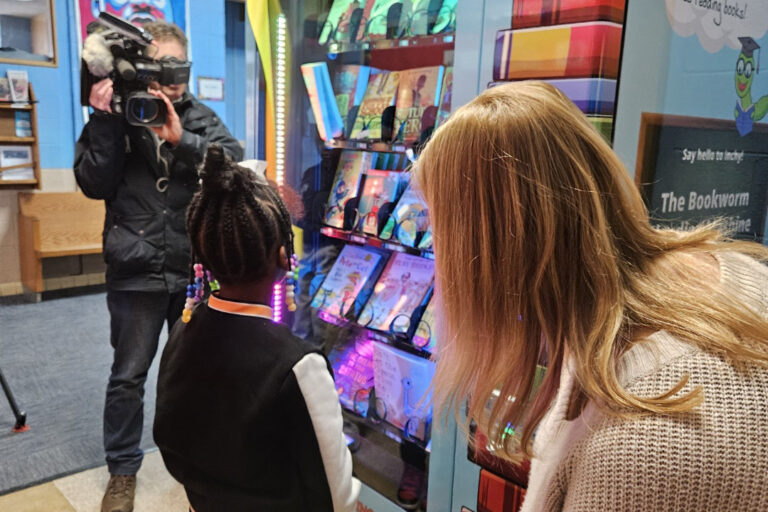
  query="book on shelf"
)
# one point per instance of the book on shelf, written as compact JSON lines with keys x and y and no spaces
{"x":346,"y":282}
{"x":11,"y":156}
{"x":421,"y":15}
{"x":23,"y":123}
{"x":425,"y":337}
{"x":346,"y":21}
{"x":386,"y":19}
{"x":5,"y":89}
{"x":391,"y":161}
{"x":578,"y":50}
{"x":537,"y":13}
{"x":379,"y":188}
{"x":379,"y":95}
{"x":446,"y":96}
{"x":419,"y":90}
{"x":352,"y":364}
{"x":401,"y":288}
{"x":446,"y":18}
{"x":409,"y":218}
{"x":352,"y":166}
{"x":349,"y":84}
{"x":318,"y":83}
{"x":402,"y":383}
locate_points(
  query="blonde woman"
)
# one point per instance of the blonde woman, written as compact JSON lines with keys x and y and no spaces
{"x":655,"y":341}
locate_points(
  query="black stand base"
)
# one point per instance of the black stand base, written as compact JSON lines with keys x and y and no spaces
{"x":21,"y":416}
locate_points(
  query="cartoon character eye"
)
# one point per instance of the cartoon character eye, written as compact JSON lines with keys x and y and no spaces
{"x":740,"y":67}
{"x":748,"y":70}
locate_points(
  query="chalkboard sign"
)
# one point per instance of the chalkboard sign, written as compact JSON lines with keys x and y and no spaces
{"x":692,"y":170}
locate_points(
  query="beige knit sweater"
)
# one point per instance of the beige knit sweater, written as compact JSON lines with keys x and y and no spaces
{"x":713,"y":459}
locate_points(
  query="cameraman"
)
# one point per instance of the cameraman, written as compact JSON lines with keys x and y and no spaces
{"x":147,"y":177}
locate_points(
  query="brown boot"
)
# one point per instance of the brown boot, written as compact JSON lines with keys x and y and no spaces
{"x":119,"y":494}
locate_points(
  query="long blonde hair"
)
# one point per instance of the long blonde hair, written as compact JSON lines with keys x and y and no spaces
{"x":543,"y":245}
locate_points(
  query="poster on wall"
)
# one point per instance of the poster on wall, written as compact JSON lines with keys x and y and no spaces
{"x":731,"y":37}
{"x":137,"y":12}
{"x":694,"y":170}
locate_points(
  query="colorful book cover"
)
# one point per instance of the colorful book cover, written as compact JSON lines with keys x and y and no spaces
{"x":341,"y":21}
{"x":349,"y":84}
{"x":446,"y":96}
{"x":402,"y":383}
{"x":380,"y":187}
{"x":446,"y":17}
{"x":593,"y":96}
{"x":398,"y":292}
{"x":352,"y":166}
{"x":382,"y":15}
{"x":425,"y":336}
{"x":11,"y":156}
{"x":563,"y":51}
{"x":408,"y":220}
{"x":347,"y":278}
{"x":352,"y":365}
{"x":419,"y":89}
{"x":379,"y":95}
{"x":23,"y":123}
{"x":538,"y":13}
{"x":318,"y":83}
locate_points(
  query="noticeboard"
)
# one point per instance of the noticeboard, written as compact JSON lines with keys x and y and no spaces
{"x":692,"y":170}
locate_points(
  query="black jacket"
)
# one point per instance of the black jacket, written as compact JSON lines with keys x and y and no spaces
{"x":247,"y":416}
{"x":145,"y":237}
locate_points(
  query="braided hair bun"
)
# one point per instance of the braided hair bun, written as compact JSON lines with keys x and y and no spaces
{"x":236,"y":225}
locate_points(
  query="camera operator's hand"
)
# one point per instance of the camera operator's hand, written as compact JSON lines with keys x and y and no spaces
{"x":171,"y":130}
{"x":101,"y":95}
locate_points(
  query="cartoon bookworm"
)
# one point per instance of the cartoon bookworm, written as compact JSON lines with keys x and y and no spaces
{"x":747,"y":112}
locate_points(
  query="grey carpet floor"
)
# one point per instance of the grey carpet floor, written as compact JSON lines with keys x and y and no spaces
{"x":56,"y":358}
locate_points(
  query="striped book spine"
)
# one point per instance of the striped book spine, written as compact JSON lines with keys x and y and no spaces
{"x":308,"y":73}
{"x":536,"y":13}
{"x":563,"y":51}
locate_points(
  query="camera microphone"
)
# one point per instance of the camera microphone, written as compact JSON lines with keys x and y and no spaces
{"x":126,"y":69}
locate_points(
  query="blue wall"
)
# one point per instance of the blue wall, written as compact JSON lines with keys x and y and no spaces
{"x":54,"y":88}
{"x":57,"y":89}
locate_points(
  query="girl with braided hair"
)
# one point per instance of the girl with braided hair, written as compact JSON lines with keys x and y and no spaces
{"x":247,"y":416}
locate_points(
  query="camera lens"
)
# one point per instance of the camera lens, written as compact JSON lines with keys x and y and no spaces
{"x":144,"y":109}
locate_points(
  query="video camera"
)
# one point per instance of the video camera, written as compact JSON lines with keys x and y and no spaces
{"x":117,"y":49}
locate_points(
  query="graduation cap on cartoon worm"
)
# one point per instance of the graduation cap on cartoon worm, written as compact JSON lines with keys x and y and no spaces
{"x":747,"y":111}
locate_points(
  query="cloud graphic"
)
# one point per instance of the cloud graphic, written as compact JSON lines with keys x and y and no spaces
{"x":718,"y":23}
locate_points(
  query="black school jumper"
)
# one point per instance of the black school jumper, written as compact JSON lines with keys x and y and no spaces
{"x":247,"y":417}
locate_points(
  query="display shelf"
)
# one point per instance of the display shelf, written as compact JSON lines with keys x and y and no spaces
{"x":367,"y":145}
{"x":399,"y":341}
{"x":16,"y":106}
{"x":378,"y":431}
{"x":20,"y":140}
{"x":391,"y":44}
{"x":21,"y":184}
{"x":361,"y":239}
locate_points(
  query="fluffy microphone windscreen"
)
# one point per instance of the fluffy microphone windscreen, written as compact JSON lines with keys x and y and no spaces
{"x":97,"y":56}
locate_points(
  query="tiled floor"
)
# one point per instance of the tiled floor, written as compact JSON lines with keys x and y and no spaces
{"x":156,"y":491}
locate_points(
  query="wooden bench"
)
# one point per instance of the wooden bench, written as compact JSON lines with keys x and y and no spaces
{"x":55,"y":224}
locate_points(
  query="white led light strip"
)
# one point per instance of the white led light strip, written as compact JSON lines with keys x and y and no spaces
{"x":280,"y":79}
